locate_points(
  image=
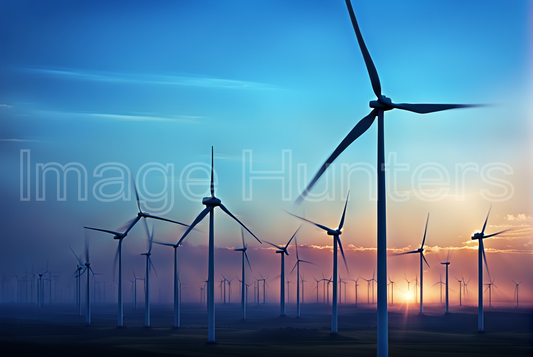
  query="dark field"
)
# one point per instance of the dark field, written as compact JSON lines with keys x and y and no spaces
{"x":59,"y":330}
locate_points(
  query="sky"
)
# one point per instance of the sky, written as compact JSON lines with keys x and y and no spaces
{"x":113,"y":92}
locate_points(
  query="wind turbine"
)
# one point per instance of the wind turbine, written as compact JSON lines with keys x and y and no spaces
{"x":422,"y":260}
{"x":210,"y":203}
{"x":282,"y":251}
{"x":489,"y":288}
{"x":177,"y":307}
{"x":243,"y":281}
{"x":297,"y":267}
{"x":447,"y":264}
{"x":317,"y":281}
{"x":149,"y":266}
{"x":379,"y":107}
{"x":481,"y":256}
{"x":135,"y":278}
{"x":392,"y":290}
{"x":356,"y":284}
{"x":336,"y":241}
{"x":120,"y":237}
{"x":516,"y":291}
{"x":460,"y":297}
{"x":78,"y":275}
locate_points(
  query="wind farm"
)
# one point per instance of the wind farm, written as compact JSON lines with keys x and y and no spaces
{"x":172,"y":104}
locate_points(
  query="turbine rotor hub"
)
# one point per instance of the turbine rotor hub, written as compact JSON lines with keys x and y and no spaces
{"x":337,"y":232}
{"x":211,"y":201}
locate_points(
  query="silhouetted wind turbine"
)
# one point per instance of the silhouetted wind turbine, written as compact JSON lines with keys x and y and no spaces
{"x":120,"y":237}
{"x":482,"y":257}
{"x":282,"y":251}
{"x":440,"y":283}
{"x":516,"y":291}
{"x":489,"y":288}
{"x":210,"y":203}
{"x":149,"y":266}
{"x":243,"y":281}
{"x":78,"y":276}
{"x":422,"y":260}
{"x":177,"y":307}
{"x":297,"y":267}
{"x":447,"y":264}
{"x":379,"y":107}
{"x":392,"y":290}
{"x":336,"y":241}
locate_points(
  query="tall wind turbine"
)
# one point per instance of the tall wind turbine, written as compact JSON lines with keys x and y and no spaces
{"x":482,"y":257}
{"x":422,"y":260}
{"x":210,"y":203}
{"x":379,"y":107}
{"x":149,"y":266}
{"x":447,"y":264}
{"x":297,"y":267}
{"x":120,"y":237}
{"x":88,"y":270}
{"x":243,"y":281}
{"x":336,"y":242}
{"x":78,"y":275}
{"x":282,"y":251}
{"x":516,"y":291}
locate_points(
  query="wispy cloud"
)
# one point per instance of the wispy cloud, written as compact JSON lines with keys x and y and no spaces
{"x":181,"y":80}
{"x":21,"y":140}
{"x":519,"y":217}
{"x":6,"y":106}
{"x":121,"y":117}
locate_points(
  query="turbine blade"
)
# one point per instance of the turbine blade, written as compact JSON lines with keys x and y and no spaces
{"x":356,"y":132}
{"x":342,"y":252}
{"x":430,"y":108}
{"x":133,"y":223}
{"x":414,"y":251}
{"x":275,"y":246}
{"x":485,"y":224}
{"x":495,"y":234}
{"x":294,"y":267}
{"x":372,"y":72}
{"x":165,"y":219}
{"x":486,"y":264}
{"x":137,"y":196}
{"x":425,"y":231}
{"x":344,"y":212}
{"x":249,"y":265}
{"x":425,"y":260}
{"x":235,"y":218}
{"x":152,"y":266}
{"x":148,"y":235}
{"x":212,"y":187}
{"x":293,"y":236}
{"x":316,"y":224}
{"x":79,"y":261}
{"x":103,"y":230}
{"x":296,"y":246}
{"x":163,"y":243}
{"x":196,"y":221}
{"x":86,"y":248}
{"x":242,"y":236}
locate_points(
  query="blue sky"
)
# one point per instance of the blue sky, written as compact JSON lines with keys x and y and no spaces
{"x":137,"y":83}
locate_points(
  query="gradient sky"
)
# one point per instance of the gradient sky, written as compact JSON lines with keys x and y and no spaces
{"x":136,"y":83}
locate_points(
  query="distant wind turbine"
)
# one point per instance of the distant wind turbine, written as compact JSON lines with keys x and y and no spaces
{"x":482,"y":257}
{"x":447,"y":264}
{"x":379,"y":107}
{"x":422,"y":260}
{"x":489,"y":288}
{"x":243,"y":274}
{"x":516,"y":291}
{"x":177,"y":307}
{"x":440,"y":283}
{"x":283,"y":251}
{"x":149,"y":266}
{"x":297,"y":267}
{"x":210,"y":203}
{"x":336,"y":242}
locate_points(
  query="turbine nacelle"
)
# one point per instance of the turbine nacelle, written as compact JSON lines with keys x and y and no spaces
{"x":240,"y":249}
{"x":383,"y":103}
{"x":332,"y":232}
{"x":478,"y":235}
{"x":211,"y":201}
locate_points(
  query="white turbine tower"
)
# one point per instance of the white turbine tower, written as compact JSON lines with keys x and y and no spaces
{"x":120,"y":237}
{"x":379,"y":107}
{"x":482,"y":257}
{"x":282,"y":251}
{"x":243,"y":277}
{"x":297,"y":267}
{"x":149,"y":267}
{"x":210,"y":203}
{"x":336,"y":242}
{"x":422,"y":260}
